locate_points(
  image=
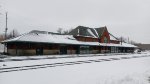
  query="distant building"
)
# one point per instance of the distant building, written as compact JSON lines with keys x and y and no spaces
{"x":81,"y":40}
{"x":143,"y":46}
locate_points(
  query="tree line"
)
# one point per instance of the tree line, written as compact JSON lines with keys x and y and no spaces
{"x":13,"y":33}
{"x":126,"y":40}
{"x":61,"y":31}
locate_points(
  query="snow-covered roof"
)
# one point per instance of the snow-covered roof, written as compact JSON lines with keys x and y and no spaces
{"x":118,"y":45}
{"x":49,"y":38}
{"x":89,"y":30}
{"x":86,"y":31}
{"x":60,"y":39}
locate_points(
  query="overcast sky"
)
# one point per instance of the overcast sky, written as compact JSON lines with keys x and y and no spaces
{"x":128,"y":18}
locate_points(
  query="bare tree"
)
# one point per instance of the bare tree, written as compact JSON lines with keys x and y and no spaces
{"x":67,"y":31}
{"x":12,"y":34}
{"x":126,"y":40}
{"x":133,"y":42}
{"x":123,"y":39}
{"x":59,"y":30}
{"x":1,"y":37}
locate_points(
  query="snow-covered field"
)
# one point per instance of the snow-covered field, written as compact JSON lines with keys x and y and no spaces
{"x":124,"y":71}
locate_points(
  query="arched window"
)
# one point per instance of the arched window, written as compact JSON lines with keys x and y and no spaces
{"x":105,"y":40}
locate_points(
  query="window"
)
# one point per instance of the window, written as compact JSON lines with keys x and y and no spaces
{"x":105,"y":40}
{"x":84,"y":49}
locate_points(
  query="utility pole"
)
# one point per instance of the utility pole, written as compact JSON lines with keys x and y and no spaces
{"x":128,"y":40}
{"x":5,"y":33}
{"x":121,"y":40}
{"x":13,"y":33}
{"x":78,"y":32}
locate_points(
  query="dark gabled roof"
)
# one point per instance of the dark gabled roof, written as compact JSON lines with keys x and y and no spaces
{"x":86,"y":31}
{"x":100,"y":30}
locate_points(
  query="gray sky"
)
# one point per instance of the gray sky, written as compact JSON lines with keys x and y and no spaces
{"x":128,"y":18}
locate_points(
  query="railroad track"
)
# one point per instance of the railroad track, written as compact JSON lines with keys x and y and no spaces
{"x":31,"y":67}
{"x":54,"y":57}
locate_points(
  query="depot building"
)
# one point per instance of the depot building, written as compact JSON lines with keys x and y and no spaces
{"x":81,"y":40}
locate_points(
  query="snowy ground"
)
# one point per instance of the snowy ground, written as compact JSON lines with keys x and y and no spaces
{"x":124,"y":71}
